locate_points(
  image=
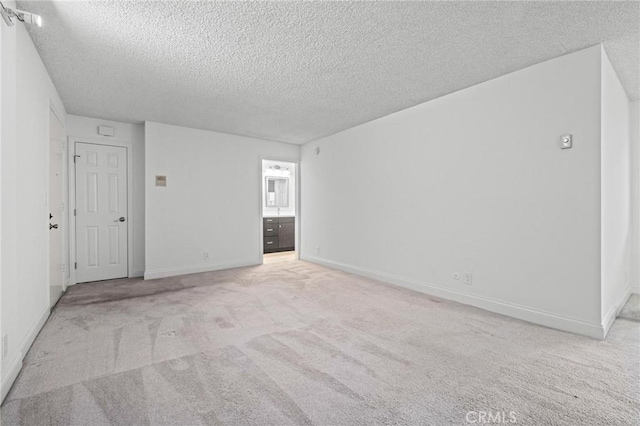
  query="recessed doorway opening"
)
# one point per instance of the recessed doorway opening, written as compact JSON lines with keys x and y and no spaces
{"x":278,"y":202}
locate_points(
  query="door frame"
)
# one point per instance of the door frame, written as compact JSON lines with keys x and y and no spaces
{"x":73,"y":257}
{"x":296,"y":208}
{"x":66,"y":256}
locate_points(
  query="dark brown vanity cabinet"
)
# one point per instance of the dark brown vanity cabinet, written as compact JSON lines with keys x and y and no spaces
{"x":279,"y":233}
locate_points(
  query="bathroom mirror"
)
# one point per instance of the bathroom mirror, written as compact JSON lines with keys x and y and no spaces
{"x":277,"y":191}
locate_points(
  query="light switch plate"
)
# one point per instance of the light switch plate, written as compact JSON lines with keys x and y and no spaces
{"x":566,"y":141}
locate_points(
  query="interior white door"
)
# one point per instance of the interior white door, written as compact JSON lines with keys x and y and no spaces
{"x":56,"y":222}
{"x":101,"y":212}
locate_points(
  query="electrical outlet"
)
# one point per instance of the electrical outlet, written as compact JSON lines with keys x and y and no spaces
{"x":456,"y":275}
{"x":5,"y":345}
{"x":468,"y":277}
{"x":207,"y":256}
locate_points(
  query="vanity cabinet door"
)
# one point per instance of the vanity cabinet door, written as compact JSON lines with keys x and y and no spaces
{"x":286,"y":235}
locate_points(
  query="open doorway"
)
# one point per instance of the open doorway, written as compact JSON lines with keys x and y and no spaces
{"x":279,"y":197}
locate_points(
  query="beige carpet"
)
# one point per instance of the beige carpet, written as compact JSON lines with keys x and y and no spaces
{"x":294,"y":343}
{"x":631,"y":310}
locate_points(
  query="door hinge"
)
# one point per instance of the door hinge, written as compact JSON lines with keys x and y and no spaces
{"x":75,"y":265}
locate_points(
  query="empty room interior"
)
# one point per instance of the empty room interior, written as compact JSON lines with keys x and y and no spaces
{"x":320,"y":213}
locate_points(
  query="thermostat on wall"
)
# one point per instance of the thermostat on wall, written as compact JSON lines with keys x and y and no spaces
{"x":106,"y":131}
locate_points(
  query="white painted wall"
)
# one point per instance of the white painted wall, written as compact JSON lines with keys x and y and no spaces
{"x":284,"y":211}
{"x":212,"y":204}
{"x":4,"y":136}
{"x":27,"y":95}
{"x":616,"y":209}
{"x":86,"y":128}
{"x":473,"y":181}
{"x":634,"y":137}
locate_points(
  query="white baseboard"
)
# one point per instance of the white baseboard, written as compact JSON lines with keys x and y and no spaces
{"x":9,"y":376}
{"x":16,"y":365}
{"x":635,"y":288}
{"x":525,"y":313}
{"x":195,"y":269}
{"x":26,"y":343}
{"x":614,"y":311}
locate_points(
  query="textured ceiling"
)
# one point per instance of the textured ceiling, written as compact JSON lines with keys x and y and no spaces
{"x":297,"y":71}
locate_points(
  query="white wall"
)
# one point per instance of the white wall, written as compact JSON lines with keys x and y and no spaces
{"x":474,"y":181}
{"x":211,"y":201}
{"x":86,"y":129}
{"x":284,"y":211}
{"x":634,"y":137}
{"x":27,"y":96}
{"x":616,"y":209}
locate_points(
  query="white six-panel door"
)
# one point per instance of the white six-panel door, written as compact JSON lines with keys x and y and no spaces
{"x":101,"y":212}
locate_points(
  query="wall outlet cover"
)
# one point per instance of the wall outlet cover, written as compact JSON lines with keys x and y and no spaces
{"x":456,"y":275}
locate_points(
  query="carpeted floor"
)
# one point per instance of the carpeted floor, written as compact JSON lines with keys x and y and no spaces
{"x":294,"y":343}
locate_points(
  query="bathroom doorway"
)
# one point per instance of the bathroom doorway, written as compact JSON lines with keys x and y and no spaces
{"x":279,"y":220}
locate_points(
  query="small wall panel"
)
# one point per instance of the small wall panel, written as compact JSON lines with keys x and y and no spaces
{"x":112,"y":188}
{"x":92,"y":192}
{"x":92,"y":242}
{"x":91,"y":159}
{"x":114,"y":245}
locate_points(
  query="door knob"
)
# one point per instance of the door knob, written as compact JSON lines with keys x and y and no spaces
{"x":122,"y":219}
{"x":54,"y":226}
